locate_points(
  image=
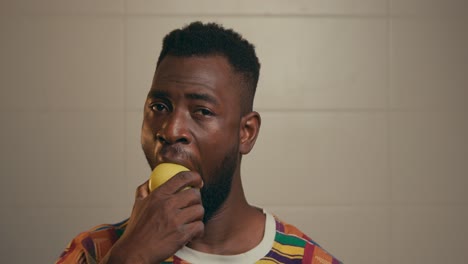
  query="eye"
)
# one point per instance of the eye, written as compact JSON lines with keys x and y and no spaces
{"x":204,"y":112}
{"x":159,"y":107}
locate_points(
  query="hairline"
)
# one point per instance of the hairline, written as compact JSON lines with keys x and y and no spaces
{"x":244,"y":80}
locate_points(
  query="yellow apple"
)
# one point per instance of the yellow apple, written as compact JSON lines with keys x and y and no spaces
{"x":163,"y":172}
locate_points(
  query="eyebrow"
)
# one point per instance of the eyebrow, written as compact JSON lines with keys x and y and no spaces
{"x":202,"y":96}
{"x":157,"y":94}
{"x":190,"y":96}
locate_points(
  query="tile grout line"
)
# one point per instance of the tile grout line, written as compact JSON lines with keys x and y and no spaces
{"x":259,"y":15}
{"x":331,"y":15}
{"x":125,"y":86}
{"x":389,"y":136}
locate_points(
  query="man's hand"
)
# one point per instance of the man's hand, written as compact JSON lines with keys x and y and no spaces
{"x":161,"y":222}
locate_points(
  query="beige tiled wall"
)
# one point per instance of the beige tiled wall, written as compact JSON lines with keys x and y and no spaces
{"x":365,"y":119}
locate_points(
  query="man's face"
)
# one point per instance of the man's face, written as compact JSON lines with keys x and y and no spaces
{"x":192,"y":117}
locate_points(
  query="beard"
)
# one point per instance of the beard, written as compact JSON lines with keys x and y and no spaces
{"x":217,"y":186}
{"x":215,"y":191}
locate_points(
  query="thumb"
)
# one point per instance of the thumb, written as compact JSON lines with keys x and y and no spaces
{"x":142,"y":191}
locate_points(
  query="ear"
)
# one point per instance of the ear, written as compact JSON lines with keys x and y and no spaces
{"x":250,"y":126}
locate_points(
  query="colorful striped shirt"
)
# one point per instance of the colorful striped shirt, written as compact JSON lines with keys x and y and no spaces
{"x":282,"y":243}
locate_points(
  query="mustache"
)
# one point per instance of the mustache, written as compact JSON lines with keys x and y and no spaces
{"x":180,"y":153}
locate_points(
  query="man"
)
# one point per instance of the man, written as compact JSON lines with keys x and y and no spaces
{"x":198,"y":114}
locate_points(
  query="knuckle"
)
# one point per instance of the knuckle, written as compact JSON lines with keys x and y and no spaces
{"x":199,"y":227}
{"x":194,"y":194}
{"x":200,"y":210}
{"x":185,"y":176}
{"x":140,"y":190}
{"x":183,"y":235}
{"x":182,"y":240}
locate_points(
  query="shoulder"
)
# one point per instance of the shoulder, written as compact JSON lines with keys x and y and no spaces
{"x":292,"y":242}
{"x":92,"y":245}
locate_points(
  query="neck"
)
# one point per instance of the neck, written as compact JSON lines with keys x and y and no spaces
{"x":235,"y":228}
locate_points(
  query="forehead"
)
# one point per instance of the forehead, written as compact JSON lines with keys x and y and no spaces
{"x":210,"y":72}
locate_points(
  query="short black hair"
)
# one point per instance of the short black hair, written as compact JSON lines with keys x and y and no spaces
{"x":198,"y":39}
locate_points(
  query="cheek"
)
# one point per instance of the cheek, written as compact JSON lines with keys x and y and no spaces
{"x":147,"y":136}
{"x":149,"y":127}
{"x":146,"y":131}
{"x":216,"y":144}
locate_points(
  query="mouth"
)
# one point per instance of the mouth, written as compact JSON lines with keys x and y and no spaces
{"x":175,"y":155}
{"x":174,"y":161}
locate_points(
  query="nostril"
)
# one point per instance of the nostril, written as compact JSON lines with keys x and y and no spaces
{"x":161,"y":139}
{"x":173,"y":130}
{"x":165,"y":140}
{"x":182,"y":140}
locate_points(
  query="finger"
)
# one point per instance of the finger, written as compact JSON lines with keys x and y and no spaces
{"x":182,"y":199}
{"x":188,"y":198}
{"x":142,"y":191}
{"x":181,"y":181}
{"x":194,"y":230}
{"x":191,"y":214}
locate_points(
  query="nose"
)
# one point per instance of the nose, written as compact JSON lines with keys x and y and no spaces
{"x":174,"y":129}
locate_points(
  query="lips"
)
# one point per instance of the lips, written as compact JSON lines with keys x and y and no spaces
{"x":175,"y":154}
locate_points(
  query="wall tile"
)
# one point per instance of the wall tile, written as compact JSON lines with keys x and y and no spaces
{"x":9,"y":52}
{"x":22,"y":7}
{"x":429,"y":63}
{"x":306,"y":158}
{"x":52,"y":71}
{"x":429,"y":234}
{"x":344,"y":231}
{"x":429,"y":153}
{"x":137,"y":169}
{"x":317,"y":70}
{"x":61,"y":159}
{"x":448,"y":8}
{"x":143,"y":44}
{"x":244,"y":7}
